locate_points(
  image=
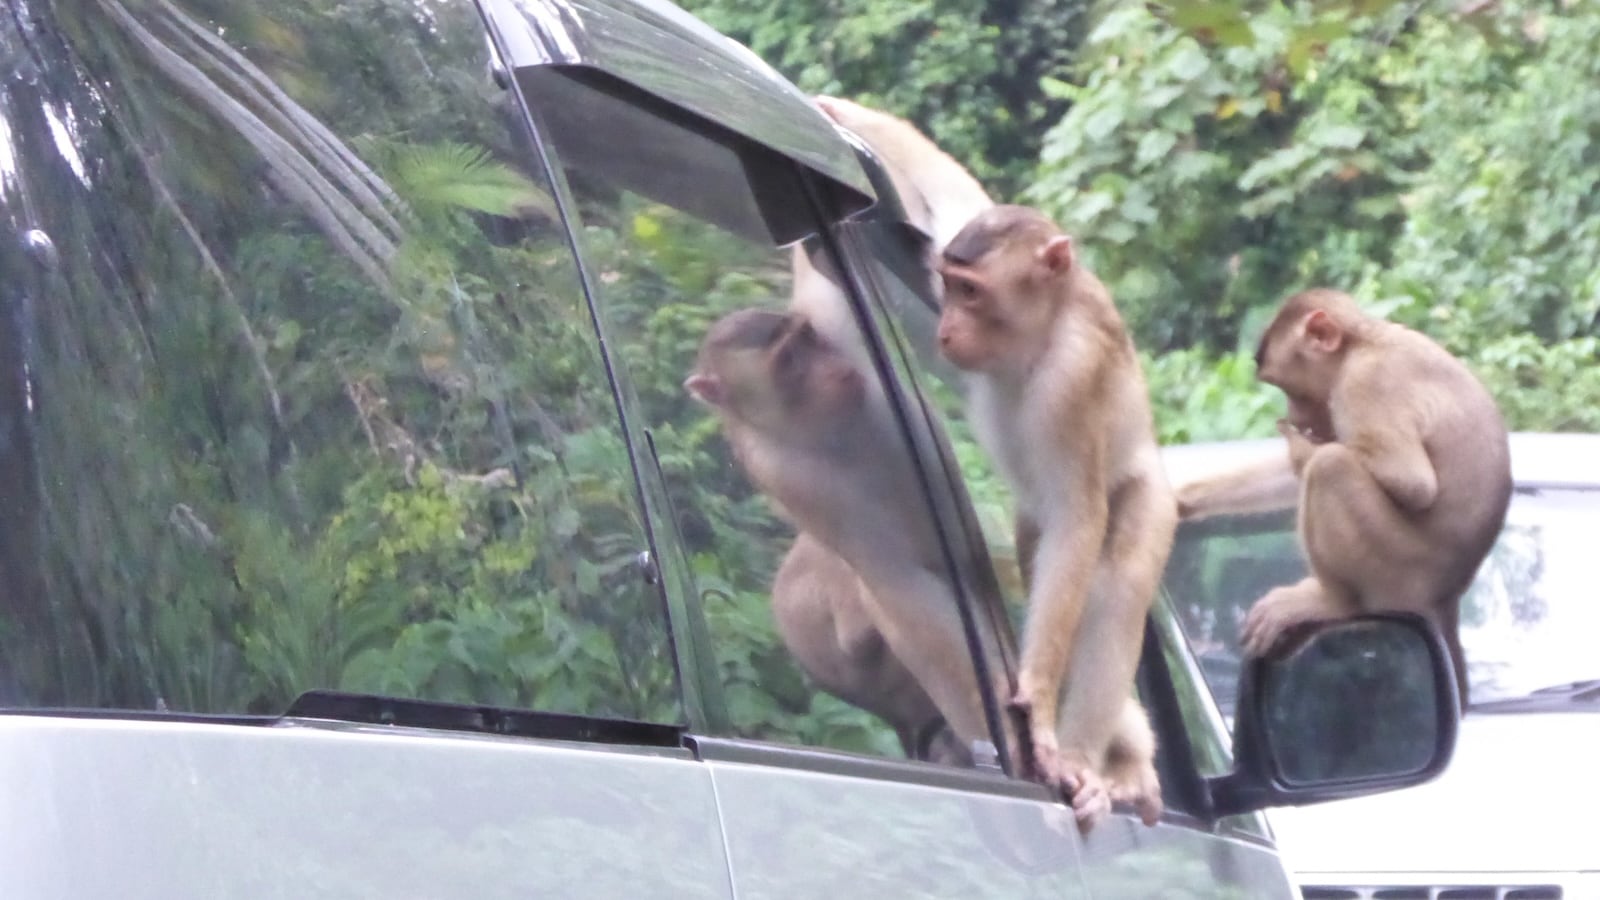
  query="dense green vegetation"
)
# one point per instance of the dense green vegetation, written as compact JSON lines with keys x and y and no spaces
{"x":1437,"y":159}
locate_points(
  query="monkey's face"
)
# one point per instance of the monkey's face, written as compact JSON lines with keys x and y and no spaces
{"x":994,"y":314}
{"x":775,"y":373}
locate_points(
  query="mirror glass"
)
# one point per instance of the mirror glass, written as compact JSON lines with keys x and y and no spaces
{"x":1355,"y":700}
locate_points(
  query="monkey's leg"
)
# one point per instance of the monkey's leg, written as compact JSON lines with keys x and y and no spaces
{"x":1357,"y":543}
{"x":1130,"y":764}
{"x":1095,"y":707}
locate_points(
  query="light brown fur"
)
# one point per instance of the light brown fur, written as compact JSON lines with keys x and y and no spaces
{"x":1403,"y":467}
{"x":814,"y":433}
{"x":1058,"y":400}
{"x":825,"y":620}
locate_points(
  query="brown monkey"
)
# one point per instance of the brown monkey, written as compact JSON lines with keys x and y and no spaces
{"x":818,"y":438}
{"x":826,"y":623}
{"x":1403,"y":463}
{"x":1058,"y":400}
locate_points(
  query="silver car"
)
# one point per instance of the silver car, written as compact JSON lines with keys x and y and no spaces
{"x":1505,"y":819}
{"x":360,"y":540}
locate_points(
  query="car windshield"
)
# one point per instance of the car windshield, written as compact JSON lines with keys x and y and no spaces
{"x":1527,"y":622}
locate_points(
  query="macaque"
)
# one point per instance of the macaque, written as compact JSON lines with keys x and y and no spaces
{"x":817,"y":436}
{"x":825,"y":620}
{"x":1402,"y":463}
{"x":1058,"y":400}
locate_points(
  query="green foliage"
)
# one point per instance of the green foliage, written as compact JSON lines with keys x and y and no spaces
{"x":966,"y":71}
{"x":1198,"y":398}
{"x":1439,"y":166}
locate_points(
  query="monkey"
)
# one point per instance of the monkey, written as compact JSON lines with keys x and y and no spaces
{"x":826,"y":623}
{"x":1402,"y":462}
{"x":818,"y":438}
{"x":1058,"y":401}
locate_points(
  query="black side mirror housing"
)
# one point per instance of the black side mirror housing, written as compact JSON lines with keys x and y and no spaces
{"x":1353,"y":707}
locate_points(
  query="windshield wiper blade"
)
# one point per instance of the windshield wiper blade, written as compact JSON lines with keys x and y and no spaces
{"x":1554,"y":696}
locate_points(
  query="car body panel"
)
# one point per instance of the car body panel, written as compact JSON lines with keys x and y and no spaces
{"x":104,"y":807}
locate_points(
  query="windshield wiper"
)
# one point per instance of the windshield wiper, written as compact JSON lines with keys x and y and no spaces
{"x":1554,"y":697}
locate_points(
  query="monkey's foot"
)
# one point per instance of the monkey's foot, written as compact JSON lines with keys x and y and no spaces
{"x":1281,"y":609}
{"x":1141,"y":790}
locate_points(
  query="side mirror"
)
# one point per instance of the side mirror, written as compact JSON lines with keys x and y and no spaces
{"x":1356,"y":707}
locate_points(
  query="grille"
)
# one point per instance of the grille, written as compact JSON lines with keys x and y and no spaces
{"x":1434,"y":892}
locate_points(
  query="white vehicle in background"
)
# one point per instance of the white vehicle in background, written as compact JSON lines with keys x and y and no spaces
{"x":1505,"y":821}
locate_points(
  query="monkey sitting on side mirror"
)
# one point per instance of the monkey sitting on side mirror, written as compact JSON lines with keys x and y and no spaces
{"x":1059,"y":402}
{"x":1403,"y":467}
{"x":817,"y":436}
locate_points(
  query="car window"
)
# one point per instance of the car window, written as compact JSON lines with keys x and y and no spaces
{"x":307,"y":394}
{"x":680,"y":225}
{"x":1523,"y":620}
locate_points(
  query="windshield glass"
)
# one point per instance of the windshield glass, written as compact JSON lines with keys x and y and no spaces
{"x":1527,"y":622}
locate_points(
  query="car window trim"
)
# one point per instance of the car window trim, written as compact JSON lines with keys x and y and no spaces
{"x":933,"y":474}
{"x":700,"y":699}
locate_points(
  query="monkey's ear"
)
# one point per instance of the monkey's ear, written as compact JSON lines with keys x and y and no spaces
{"x":1323,"y":331}
{"x":708,"y":389}
{"x":1056,"y":254}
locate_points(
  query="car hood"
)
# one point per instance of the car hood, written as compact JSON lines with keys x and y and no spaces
{"x":1517,"y":796}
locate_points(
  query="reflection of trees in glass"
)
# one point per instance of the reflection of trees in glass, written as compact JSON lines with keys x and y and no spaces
{"x":1508,"y":591}
{"x":315,"y":409}
{"x":1217,"y":570}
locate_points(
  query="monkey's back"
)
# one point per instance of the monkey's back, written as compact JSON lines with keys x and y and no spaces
{"x":1465,"y":438}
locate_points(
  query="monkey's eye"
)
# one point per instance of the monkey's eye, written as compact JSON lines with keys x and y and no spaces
{"x":960,"y":288}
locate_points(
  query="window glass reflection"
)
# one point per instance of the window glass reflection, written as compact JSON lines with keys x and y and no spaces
{"x":826,"y":631}
{"x":313,"y":399}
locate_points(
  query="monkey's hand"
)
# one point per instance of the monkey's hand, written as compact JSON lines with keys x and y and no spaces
{"x":1069,"y":773}
{"x":1281,"y":609}
{"x":1302,"y":443}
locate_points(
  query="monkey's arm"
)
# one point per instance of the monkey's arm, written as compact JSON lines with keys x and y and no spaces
{"x":1392,"y":450}
{"x":1063,"y":569}
{"x":1261,"y":486}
